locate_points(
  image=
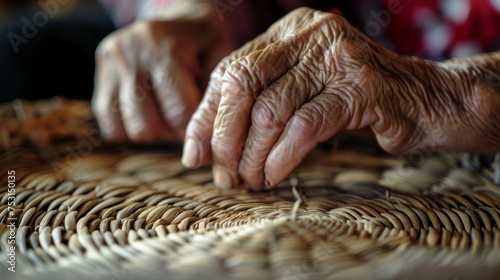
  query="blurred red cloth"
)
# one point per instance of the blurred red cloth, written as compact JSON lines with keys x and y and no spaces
{"x":444,"y":28}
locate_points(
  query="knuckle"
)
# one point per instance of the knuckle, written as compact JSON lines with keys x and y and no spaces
{"x":215,"y":79}
{"x":299,"y":12}
{"x":152,"y":30}
{"x":308,"y":121}
{"x":265,"y":116}
{"x":217,"y":75}
{"x":235,"y":71}
{"x":333,"y":24}
{"x":224,"y":64}
{"x":109,"y":46}
{"x":331,"y":17}
{"x":240,"y":79}
{"x":142,"y":27}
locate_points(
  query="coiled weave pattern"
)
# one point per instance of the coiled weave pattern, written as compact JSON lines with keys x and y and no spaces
{"x":87,"y":209}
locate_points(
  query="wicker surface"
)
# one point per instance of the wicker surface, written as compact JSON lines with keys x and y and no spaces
{"x":90,"y":210}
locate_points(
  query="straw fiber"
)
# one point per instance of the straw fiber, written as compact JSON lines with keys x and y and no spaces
{"x":87,"y":209}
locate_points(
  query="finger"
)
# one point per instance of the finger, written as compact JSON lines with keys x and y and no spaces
{"x":272,"y":110}
{"x":140,"y":112}
{"x":314,"y":122}
{"x":242,"y":84}
{"x":178,"y":95}
{"x":105,"y":100}
{"x":342,"y":104}
{"x":197,"y":150}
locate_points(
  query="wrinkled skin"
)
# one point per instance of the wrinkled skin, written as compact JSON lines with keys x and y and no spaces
{"x":311,"y":75}
{"x":150,"y":76}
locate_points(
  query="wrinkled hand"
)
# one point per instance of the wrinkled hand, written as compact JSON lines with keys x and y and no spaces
{"x":150,"y":77}
{"x":309,"y":76}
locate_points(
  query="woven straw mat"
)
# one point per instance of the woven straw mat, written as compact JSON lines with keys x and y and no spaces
{"x":85,"y":209}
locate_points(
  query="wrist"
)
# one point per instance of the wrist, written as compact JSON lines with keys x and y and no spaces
{"x":430,"y":102}
{"x":459,"y":105}
{"x":414,"y":104}
{"x":480,"y":76}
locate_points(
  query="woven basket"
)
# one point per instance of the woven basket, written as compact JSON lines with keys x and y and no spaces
{"x":86,"y":210}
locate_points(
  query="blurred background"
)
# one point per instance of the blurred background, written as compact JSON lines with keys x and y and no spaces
{"x":47,"y":47}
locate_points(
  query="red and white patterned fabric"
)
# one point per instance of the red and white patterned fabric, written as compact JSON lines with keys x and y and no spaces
{"x":440,"y":29}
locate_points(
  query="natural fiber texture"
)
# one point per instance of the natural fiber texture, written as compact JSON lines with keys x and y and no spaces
{"x":122,"y":213}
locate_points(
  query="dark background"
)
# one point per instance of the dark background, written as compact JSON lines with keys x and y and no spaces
{"x":59,"y":58}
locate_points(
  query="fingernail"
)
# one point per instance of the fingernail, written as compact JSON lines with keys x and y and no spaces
{"x":190,"y":154}
{"x":223,"y":179}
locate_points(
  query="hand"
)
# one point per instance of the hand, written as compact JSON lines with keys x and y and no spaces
{"x":309,"y":76}
{"x":150,"y":76}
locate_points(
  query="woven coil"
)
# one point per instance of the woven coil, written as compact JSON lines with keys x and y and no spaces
{"x":84,"y":208}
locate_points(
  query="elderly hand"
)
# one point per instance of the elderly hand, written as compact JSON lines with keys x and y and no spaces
{"x":308,"y":77}
{"x":151,"y":74}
